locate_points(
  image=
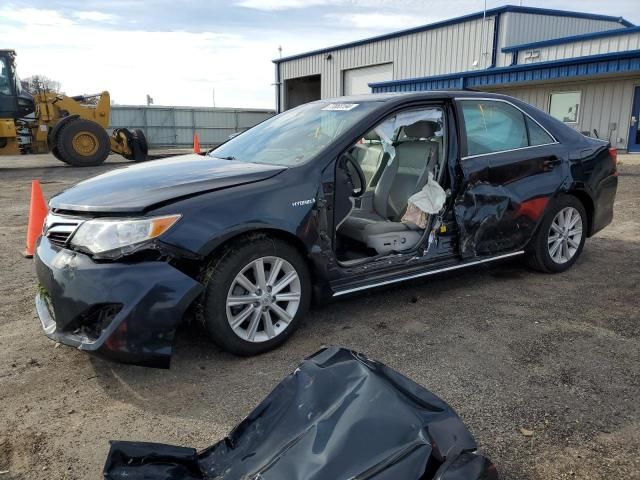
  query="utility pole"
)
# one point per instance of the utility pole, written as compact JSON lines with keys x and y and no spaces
{"x":213,"y":95}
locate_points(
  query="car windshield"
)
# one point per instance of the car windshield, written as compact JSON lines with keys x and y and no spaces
{"x":295,"y":136}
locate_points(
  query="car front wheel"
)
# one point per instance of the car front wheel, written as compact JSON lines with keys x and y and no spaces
{"x":560,"y":237}
{"x":257,"y":293}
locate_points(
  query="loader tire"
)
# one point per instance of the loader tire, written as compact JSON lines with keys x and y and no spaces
{"x":83,"y":143}
{"x":56,"y":153}
{"x":140,"y":146}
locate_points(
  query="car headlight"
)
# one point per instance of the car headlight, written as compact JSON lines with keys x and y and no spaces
{"x":105,"y":234}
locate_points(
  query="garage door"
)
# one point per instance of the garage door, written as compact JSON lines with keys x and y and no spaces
{"x":357,"y":80}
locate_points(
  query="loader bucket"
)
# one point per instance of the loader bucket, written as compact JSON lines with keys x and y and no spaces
{"x":131,"y":145}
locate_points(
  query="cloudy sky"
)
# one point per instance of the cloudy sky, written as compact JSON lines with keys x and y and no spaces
{"x":179,"y":52}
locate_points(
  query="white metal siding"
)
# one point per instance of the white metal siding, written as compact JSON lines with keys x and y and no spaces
{"x":601,"y":103}
{"x":452,"y":48}
{"x":357,"y":80}
{"x":519,"y":28}
{"x":594,"y":46}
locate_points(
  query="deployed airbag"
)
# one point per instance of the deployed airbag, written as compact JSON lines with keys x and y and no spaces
{"x":338,"y":416}
{"x":428,"y":201}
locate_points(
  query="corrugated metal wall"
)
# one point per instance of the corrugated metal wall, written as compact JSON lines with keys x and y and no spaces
{"x":519,"y":28}
{"x":595,"y":46}
{"x":448,"y":49}
{"x":601,"y":104}
{"x":175,"y":126}
{"x":452,"y":48}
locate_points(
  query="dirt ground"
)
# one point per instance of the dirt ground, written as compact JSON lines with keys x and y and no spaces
{"x":508,"y":348}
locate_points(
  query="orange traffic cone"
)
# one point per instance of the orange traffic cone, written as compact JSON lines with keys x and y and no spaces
{"x":196,"y":144}
{"x":37,"y":213}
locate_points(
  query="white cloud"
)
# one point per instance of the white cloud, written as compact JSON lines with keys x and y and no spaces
{"x":34,"y":16}
{"x":379,"y":21}
{"x":174,"y":67}
{"x":94,"y":16}
{"x":270,"y":5}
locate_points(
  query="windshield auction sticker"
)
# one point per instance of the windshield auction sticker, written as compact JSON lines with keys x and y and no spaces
{"x":340,"y":107}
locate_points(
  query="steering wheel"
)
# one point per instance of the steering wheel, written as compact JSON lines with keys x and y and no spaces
{"x":362,"y":181}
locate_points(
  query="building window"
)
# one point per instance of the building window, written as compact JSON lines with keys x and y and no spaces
{"x":565,"y":106}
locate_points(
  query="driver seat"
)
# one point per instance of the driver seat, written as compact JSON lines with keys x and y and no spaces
{"x":381,"y":228}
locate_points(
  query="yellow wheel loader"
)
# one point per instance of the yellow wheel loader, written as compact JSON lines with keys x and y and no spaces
{"x":72,"y":128}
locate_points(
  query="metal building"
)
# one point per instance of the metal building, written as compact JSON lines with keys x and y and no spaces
{"x":582,"y":68}
{"x":175,"y":126}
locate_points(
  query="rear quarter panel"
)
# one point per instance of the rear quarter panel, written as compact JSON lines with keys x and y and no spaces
{"x":599,"y":179}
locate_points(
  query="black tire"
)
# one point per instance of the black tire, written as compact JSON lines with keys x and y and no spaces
{"x":221,"y":274}
{"x":56,"y":153}
{"x":97,"y":147}
{"x":142,"y":147}
{"x":538,"y":255}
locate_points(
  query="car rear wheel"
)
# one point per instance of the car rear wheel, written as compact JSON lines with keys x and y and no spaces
{"x":560,"y":237}
{"x":258,"y":290}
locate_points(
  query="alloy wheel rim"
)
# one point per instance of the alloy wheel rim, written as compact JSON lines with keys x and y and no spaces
{"x":263,"y":299}
{"x":565,"y":235}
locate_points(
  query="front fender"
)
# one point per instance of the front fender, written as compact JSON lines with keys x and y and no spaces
{"x":277,"y":204}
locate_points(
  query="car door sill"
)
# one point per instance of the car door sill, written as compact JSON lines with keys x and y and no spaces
{"x":426,"y":273}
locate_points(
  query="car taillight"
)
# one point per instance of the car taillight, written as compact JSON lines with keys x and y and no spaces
{"x":613,"y":153}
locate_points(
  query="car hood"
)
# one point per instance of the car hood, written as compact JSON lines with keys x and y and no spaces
{"x":139,"y":187}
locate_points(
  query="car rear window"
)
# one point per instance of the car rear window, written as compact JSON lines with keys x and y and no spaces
{"x":493,"y":127}
{"x":537,"y":135}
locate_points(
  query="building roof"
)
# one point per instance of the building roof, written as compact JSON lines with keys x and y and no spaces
{"x":464,"y":18}
{"x":572,"y":38}
{"x":607,"y":63}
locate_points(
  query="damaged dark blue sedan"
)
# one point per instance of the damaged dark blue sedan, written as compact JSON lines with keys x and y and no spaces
{"x":327,"y":199}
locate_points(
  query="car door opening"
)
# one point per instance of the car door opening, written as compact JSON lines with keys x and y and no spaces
{"x":402,"y":158}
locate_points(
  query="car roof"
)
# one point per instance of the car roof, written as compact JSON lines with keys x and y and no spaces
{"x":424,"y":95}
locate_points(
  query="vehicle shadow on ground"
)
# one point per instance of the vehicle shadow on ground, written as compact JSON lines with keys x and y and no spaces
{"x":199,"y":366}
{"x":433,"y":314}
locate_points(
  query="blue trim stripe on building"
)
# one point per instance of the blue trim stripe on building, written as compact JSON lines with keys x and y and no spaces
{"x":607,"y":63}
{"x":464,"y":18}
{"x":572,"y":38}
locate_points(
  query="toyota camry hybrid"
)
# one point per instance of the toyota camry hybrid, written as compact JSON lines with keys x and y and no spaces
{"x":330,"y":198}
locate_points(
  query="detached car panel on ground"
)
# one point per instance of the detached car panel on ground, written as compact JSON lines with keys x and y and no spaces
{"x":339,"y":415}
{"x":322,"y":200}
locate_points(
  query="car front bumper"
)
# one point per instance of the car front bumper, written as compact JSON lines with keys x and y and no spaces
{"x":126,"y":312}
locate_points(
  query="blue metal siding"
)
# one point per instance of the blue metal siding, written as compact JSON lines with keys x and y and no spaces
{"x":625,"y":62}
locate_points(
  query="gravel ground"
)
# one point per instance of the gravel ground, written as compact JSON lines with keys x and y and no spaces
{"x":508,"y":348}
